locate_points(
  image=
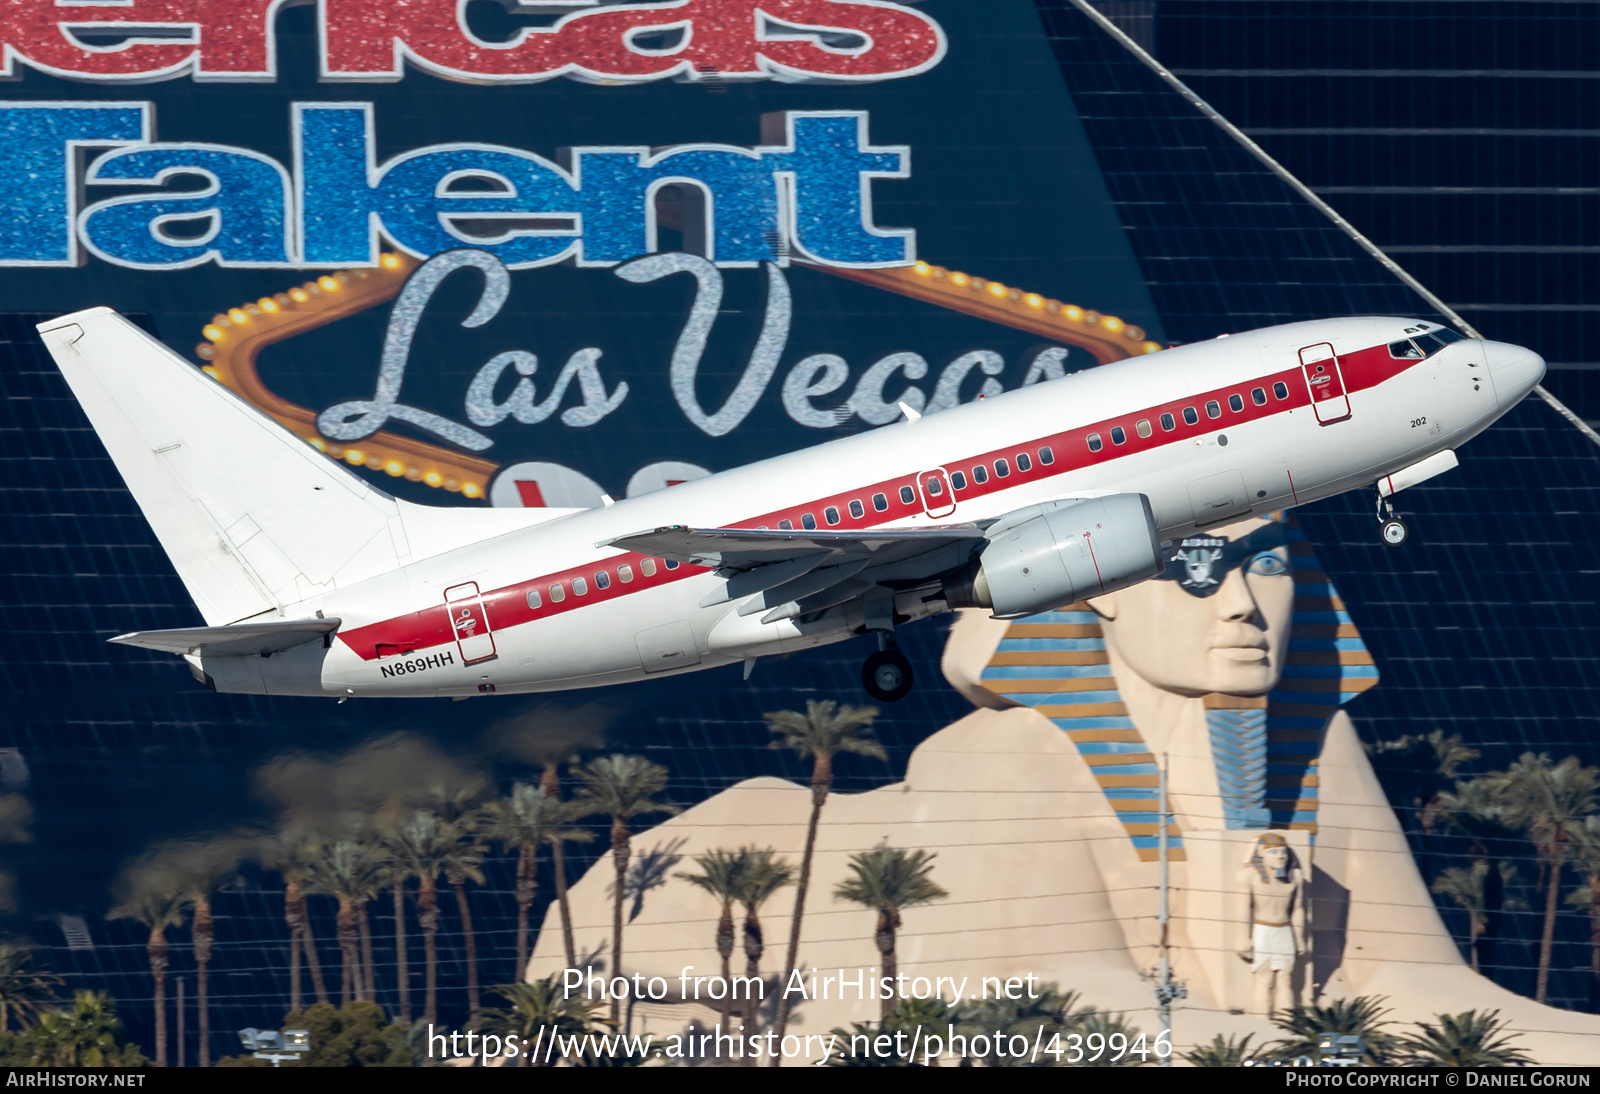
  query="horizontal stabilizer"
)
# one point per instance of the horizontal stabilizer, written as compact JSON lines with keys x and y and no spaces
{"x":241,"y":639}
{"x":744,"y":548}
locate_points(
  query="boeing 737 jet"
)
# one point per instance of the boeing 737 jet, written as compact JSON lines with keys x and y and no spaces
{"x":312,"y":581}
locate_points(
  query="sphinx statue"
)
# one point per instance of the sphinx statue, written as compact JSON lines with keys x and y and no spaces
{"x":1290,"y":878}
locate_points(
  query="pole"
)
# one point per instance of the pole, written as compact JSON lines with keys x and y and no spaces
{"x":180,"y":1021}
{"x":1167,"y":989}
{"x":1164,"y":981}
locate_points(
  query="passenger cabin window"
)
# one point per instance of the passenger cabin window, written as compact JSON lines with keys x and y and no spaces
{"x":1118,"y":435}
{"x":1258,"y":396}
{"x":980,"y":474}
{"x":624,"y":573}
{"x":958,"y":480}
{"x":1236,"y":403}
{"x":1142,"y":427}
{"x":1213,"y":409}
{"x":808,"y":521}
{"x":786,"y":525}
{"x":1280,"y":390}
{"x":1024,"y":462}
{"x":647,"y":567}
{"x":1047,"y":456}
{"x":831,"y":515}
{"x":1190,"y":415}
{"x":857,"y":510}
{"x":558,"y":593}
{"x":580,"y":586}
{"x":880,"y":502}
{"x":602,"y":580}
{"x":1168,"y":423}
{"x":1095,"y":443}
{"x":908,"y":496}
{"x":533,"y":599}
{"x":1001,"y":469}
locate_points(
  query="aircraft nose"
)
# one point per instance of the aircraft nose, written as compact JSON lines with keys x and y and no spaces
{"x":1513,"y":370}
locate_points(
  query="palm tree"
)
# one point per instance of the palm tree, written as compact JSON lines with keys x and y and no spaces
{"x":87,"y":1035}
{"x":1468,"y":888}
{"x":543,"y":1006}
{"x":346,"y":870}
{"x":720,"y":876}
{"x":1049,"y":1015}
{"x":1220,"y":1052}
{"x":889,"y":880}
{"x":550,"y":784}
{"x":1362,"y":1016}
{"x":1419,"y":768}
{"x":1469,"y":1039}
{"x":204,"y":870}
{"x":1585,"y":849}
{"x":760,"y":875}
{"x":1105,"y":1025}
{"x":395,"y":878}
{"x":157,"y":902}
{"x":25,"y":992}
{"x":1548,"y":801}
{"x":291,"y":854}
{"x":622,"y":788}
{"x":464,"y":863}
{"x":822,"y":732}
{"x":420,"y":846}
{"x":1474,"y":810}
{"x":527,"y":819}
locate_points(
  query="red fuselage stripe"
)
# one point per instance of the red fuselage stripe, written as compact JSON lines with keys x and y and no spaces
{"x":1069,"y":451}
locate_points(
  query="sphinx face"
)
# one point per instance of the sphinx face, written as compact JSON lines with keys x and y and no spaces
{"x":1217,"y":621}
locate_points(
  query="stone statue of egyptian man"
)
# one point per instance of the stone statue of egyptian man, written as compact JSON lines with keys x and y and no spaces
{"x":1276,"y":912}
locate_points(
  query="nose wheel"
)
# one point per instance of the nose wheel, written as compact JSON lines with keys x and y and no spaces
{"x":1391,"y":529}
{"x":887,"y":675}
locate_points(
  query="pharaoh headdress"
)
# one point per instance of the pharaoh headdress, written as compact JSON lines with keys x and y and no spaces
{"x":1265,"y":747}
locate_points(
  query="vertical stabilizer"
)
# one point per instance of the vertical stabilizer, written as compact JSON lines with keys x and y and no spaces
{"x":252,"y":517}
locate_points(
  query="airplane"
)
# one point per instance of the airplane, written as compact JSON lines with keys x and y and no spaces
{"x":313,"y":582}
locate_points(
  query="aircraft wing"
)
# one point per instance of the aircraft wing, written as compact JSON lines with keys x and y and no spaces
{"x":237,"y":640}
{"x":747,"y":548}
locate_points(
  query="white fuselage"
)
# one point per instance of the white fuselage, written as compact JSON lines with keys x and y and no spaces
{"x":398,"y":637}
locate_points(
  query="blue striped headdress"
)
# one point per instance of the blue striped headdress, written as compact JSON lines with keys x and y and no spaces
{"x":1265,"y":747}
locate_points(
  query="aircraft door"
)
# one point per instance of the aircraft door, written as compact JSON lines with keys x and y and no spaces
{"x":1328,"y":399}
{"x":470,"y":623}
{"x":938,"y":500}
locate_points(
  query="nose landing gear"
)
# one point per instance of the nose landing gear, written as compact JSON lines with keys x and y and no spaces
{"x":1391,"y":529}
{"x":887,"y":674}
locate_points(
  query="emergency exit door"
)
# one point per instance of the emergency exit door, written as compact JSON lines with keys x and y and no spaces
{"x":1329,"y":402}
{"x":470,"y":623}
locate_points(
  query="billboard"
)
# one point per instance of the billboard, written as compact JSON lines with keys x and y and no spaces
{"x":687,"y":234}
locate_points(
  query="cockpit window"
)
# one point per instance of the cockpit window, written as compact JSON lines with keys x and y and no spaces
{"x":1425,"y":344}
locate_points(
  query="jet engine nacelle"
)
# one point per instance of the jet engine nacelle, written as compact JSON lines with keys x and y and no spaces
{"x":1060,"y":552}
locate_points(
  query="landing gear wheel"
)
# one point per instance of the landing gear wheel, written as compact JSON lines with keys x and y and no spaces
{"x":1394,"y":532}
{"x":887,"y":676}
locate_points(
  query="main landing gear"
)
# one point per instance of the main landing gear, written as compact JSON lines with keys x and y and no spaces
{"x":887,"y":674}
{"x":1391,"y":529}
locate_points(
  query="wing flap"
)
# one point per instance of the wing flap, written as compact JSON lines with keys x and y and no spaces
{"x":240,"y":639}
{"x":745,"y":548}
